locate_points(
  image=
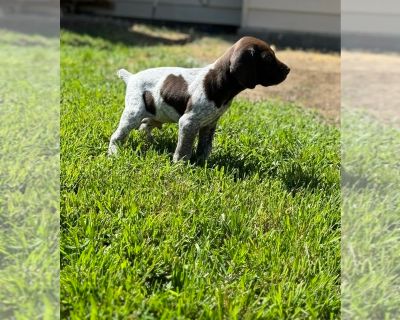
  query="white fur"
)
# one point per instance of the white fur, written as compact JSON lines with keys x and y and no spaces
{"x":203,"y":112}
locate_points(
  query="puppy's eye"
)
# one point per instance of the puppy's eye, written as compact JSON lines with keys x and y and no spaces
{"x":265,"y":56}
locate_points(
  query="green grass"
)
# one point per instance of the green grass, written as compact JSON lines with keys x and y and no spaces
{"x":253,"y":234}
{"x":370,"y":219}
{"x":29,"y":177}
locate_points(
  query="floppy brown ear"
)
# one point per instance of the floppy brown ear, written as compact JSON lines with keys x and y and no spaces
{"x":243,"y":67}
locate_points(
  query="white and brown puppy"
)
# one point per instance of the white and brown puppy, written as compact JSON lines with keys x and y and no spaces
{"x":195,"y":97}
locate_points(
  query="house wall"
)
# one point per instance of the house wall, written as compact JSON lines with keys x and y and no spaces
{"x":371,"y":17}
{"x":328,"y":17}
{"x":313,"y":16}
{"x":371,"y":25}
{"x":302,"y":23}
{"x":31,"y":16}
{"x":222,"y":12}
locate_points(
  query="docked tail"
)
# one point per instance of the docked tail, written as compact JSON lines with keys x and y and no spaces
{"x":124,"y":75}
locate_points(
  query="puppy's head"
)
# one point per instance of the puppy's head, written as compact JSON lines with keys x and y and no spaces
{"x":253,"y":62}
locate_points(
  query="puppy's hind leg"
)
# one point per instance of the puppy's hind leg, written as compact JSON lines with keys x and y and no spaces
{"x":147,"y":129}
{"x":148,"y":125}
{"x":131,"y":118}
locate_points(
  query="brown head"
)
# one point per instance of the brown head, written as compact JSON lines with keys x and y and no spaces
{"x":253,"y":62}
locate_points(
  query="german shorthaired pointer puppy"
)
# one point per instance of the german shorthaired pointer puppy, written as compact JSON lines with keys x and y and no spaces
{"x":195,"y":97}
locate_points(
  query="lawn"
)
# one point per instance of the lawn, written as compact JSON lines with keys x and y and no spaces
{"x":370,"y":218}
{"x":29,"y":177}
{"x":252,"y":234}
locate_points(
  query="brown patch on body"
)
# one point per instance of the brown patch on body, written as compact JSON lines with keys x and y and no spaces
{"x":174,"y":91}
{"x":149,"y":102}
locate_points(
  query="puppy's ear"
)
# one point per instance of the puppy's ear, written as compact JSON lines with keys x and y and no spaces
{"x":243,"y":67}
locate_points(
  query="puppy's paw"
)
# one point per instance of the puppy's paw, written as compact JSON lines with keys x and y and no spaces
{"x":179,"y":158}
{"x":175,"y":158}
{"x":201,"y":159}
{"x":112,"y":150}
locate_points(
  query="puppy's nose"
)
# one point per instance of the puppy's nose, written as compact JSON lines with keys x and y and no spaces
{"x":287,"y":70}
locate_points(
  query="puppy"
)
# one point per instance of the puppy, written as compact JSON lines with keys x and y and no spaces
{"x":195,"y":97}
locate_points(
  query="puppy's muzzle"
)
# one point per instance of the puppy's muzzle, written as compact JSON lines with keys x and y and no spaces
{"x":286,"y":70}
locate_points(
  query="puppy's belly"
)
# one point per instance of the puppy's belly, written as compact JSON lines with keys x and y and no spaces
{"x":167,"y":114}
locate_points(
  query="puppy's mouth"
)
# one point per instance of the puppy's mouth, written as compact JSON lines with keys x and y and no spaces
{"x":277,"y":80}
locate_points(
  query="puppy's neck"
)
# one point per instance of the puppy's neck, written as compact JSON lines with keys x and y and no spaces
{"x":219,"y":84}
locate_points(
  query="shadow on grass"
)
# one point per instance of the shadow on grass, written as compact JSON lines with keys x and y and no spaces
{"x":358,"y":182}
{"x":293,"y":176}
{"x":128,"y":33}
{"x":354,"y":181}
{"x":115,"y":32}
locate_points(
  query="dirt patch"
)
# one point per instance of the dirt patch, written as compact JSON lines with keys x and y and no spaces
{"x":314,"y":83}
{"x":370,"y":82}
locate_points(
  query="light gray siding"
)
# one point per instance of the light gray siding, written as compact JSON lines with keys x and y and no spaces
{"x":371,"y":17}
{"x":223,"y":12}
{"x":314,"y":16}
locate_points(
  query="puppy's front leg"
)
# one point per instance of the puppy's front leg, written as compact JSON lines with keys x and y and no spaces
{"x":204,"y":146}
{"x":188,"y":129}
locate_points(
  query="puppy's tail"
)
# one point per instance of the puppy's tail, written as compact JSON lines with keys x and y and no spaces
{"x":124,"y":75}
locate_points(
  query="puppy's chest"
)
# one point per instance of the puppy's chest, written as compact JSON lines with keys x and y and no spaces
{"x":207,"y":113}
